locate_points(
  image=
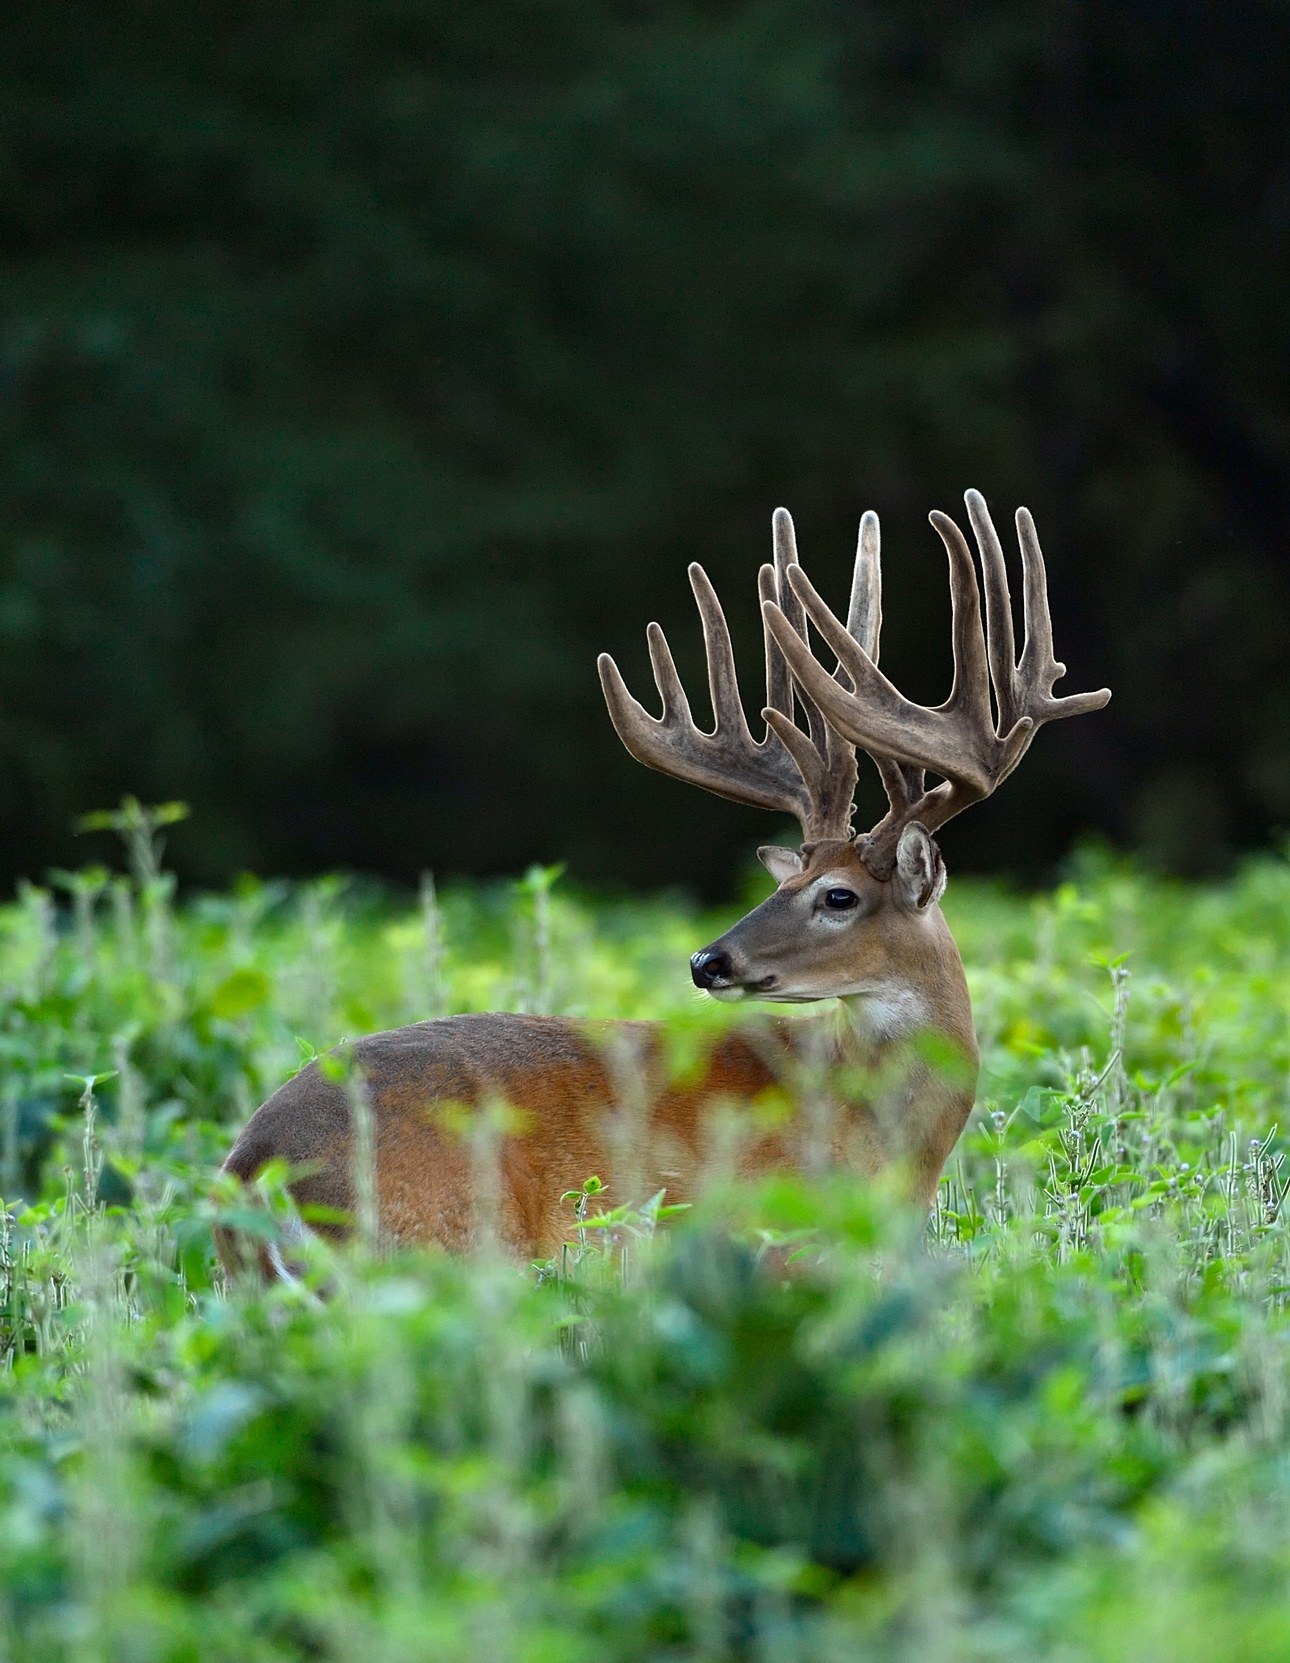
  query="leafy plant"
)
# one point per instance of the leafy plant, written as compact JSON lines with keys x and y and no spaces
{"x":791,"y":1421}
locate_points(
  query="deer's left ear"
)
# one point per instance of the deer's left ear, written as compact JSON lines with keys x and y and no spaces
{"x":920,"y":870}
{"x":780,"y":863}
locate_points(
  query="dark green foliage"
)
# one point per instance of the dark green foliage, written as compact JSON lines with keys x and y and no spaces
{"x":366,"y":369}
{"x":885,"y":1451}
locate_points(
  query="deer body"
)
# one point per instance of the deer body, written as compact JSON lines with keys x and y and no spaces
{"x":565,"y":1081}
{"x":554,"y":1073}
{"x":855,"y":918}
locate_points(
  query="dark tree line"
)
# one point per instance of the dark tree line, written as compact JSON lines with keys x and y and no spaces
{"x":364,"y":369}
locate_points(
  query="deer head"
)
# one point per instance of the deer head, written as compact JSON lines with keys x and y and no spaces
{"x":855,"y":914}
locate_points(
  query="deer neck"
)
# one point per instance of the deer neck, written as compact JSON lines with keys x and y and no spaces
{"x":928,"y":996}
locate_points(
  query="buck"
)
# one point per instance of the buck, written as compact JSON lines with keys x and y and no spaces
{"x":854,"y":919}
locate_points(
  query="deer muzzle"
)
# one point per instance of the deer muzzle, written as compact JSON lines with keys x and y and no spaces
{"x":714,"y":970}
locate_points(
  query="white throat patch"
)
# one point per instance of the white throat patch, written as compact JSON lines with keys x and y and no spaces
{"x":888,"y":1010}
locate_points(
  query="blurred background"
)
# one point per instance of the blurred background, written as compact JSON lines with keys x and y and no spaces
{"x":365,"y":368}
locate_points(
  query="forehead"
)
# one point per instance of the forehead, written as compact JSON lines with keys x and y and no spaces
{"x":832,"y":859}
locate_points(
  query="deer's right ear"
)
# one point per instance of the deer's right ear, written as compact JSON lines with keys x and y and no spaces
{"x":780,"y":863}
{"x":920,"y":870}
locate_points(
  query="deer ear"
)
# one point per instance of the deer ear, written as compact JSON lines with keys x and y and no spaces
{"x":920,"y":870}
{"x":780,"y":863}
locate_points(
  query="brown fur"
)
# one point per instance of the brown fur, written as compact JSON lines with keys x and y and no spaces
{"x":573,"y":1084}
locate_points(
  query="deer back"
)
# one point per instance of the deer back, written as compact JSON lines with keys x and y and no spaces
{"x":482,"y":1123}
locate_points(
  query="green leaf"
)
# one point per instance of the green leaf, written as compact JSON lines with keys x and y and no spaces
{"x":240,"y":994}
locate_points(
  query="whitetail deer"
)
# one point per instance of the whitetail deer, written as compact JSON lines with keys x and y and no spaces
{"x":855,"y":918}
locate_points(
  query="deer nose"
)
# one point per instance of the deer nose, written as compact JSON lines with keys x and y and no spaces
{"x":708,"y":968}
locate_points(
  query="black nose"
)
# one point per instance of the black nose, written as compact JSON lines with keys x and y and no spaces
{"x":708,"y":968}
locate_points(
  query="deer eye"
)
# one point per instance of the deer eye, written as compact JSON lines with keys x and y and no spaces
{"x":840,"y":900}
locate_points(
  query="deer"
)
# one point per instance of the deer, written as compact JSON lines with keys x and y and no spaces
{"x":854,"y":919}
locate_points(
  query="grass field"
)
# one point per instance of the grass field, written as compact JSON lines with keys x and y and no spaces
{"x":1053,"y":1423}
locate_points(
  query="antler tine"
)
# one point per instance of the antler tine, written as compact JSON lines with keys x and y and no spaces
{"x":959,"y":739}
{"x":784,"y":537}
{"x":1038,"y":669}
{"x":723,"y":682}
{"x":998,"y":610}
{"x":772,"y":584}
{"x":864,"y":615}
{"x":971,"y":688}
{"x":864,"y":624}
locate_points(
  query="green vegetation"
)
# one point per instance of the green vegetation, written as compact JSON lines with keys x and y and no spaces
{"x":1053,"y":1423}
